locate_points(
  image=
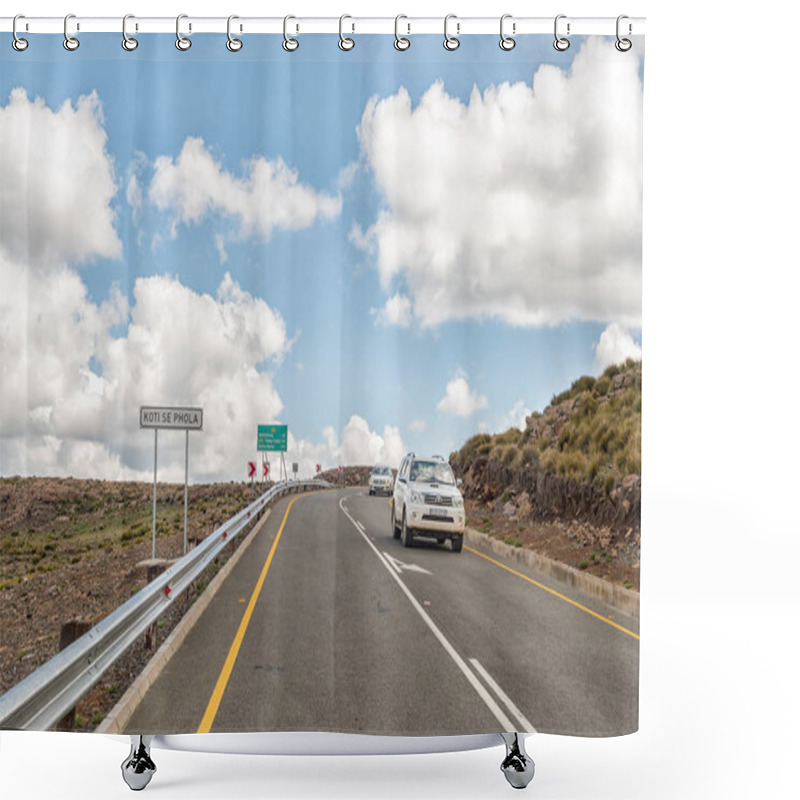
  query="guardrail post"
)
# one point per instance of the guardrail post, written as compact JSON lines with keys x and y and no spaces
{"x":70,"y":631}
{"x":150,"y":635}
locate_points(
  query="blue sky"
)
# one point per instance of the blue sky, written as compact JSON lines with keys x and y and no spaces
{"x":330,"y":279}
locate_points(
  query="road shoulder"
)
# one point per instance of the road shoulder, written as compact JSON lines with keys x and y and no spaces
{"x":626,"y":601}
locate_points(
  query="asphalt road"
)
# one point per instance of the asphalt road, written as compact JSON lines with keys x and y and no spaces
{"x":338,"y":627}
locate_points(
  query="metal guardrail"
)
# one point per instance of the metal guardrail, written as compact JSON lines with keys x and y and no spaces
{"x":39,"y":701}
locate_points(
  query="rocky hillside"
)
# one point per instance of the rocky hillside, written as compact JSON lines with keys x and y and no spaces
{"x":352,"y":476}
{"x":579,"y":459}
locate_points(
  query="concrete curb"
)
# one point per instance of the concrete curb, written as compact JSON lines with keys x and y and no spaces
{"x":120,"y":715}
{"x":626,"y":601}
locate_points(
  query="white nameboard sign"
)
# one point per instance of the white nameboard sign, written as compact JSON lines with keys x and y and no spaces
{"x":180,"y":419}
{"x":189,"y":419}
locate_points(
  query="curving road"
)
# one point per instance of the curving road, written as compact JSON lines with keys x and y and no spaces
{"x":328,"y":623}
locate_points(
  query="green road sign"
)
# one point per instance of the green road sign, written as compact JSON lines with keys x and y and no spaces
{"x":272,"y":438}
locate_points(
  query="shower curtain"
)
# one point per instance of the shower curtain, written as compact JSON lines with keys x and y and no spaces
{"x":404,"y":279}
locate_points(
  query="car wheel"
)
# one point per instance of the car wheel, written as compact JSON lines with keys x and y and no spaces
{"x":395,"y":529}
{"x":457,"y":543}
{"x":440,"y":539}
{"x":407,"y":536}
{"x":371,"y":492}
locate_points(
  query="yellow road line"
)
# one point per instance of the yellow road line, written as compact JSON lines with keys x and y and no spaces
{"x":554,"y":592}
{"x":222,"y":681}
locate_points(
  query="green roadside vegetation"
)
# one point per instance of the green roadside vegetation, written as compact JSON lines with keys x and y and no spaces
{"x":101,"y":517}
{"x":591,"y":432}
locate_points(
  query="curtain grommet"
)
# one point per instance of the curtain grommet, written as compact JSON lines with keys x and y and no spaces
{"x":623,"y":44}
{"x":18,"y":43}
{"x":233,"y":44}
{"x":561,"y":43}
{"x":183,"y":43}
{"x":129,"y":43}
{"x":345,"y":42}
{"x":401,"y":43}
{"x":71,"y":43}
{"x":451,"y":43}
{"x":290,"y":44}
{"x":507,"y":43}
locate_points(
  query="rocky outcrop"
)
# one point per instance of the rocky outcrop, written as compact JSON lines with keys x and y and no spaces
{"x":542,"y":496}
{"x":579,"y":459}
{"x":549,"y":423}
{"x":352,"y":476}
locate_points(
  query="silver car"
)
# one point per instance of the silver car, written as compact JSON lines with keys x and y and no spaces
{"x":381,"y":481}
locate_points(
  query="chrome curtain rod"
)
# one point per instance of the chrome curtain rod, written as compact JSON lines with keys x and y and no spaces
{"x":460,"y":26}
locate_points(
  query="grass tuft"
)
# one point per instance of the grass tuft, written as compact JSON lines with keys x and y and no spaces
{"x":595,"y":437}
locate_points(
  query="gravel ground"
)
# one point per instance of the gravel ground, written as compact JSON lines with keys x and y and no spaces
{"x":86,"y":576}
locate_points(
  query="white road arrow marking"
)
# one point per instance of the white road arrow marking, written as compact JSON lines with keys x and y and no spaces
{"x":400,"y":566}
{"x":505,"y":723}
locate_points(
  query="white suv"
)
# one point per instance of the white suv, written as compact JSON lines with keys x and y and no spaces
{"x":427,"y":502}
{"x":381,"y":480}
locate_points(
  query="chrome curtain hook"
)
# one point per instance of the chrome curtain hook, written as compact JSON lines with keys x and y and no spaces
{"x":345,"y":43}
{"x":70,"y":42}
{"x":507,"y":42}
{"x":18,"y":43}
{"x":451,"y":42}
{"x":623,"y":45}
{"x":400,"y":42}
{"x":561,"y":43}
{"x":181,"y":42}
{"x":233,"y":44}
{"x":128,"y":42}
{"x":289,"y":44}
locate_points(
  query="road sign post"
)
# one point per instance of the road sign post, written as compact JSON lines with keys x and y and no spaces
{"x":155,"y":473}
{"x":175,"y":418}
{"x":186,"y":494}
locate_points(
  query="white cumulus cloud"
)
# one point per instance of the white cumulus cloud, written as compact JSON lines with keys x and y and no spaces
{"x":270,"y":194}
{"x":57,"y":182}
{"x":70,"y":390}
{"x":616,"y":344}
{"x":397,"y":311}
{"x":515,"y":417}
{"x":459,"y":399}
{"x":74,"y":371}
{"x":358,"y":445}
{"x":523,"y":204}
{"x":361,"y":445}
{"x":49,"y":330}
{"x":133,"y":194}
